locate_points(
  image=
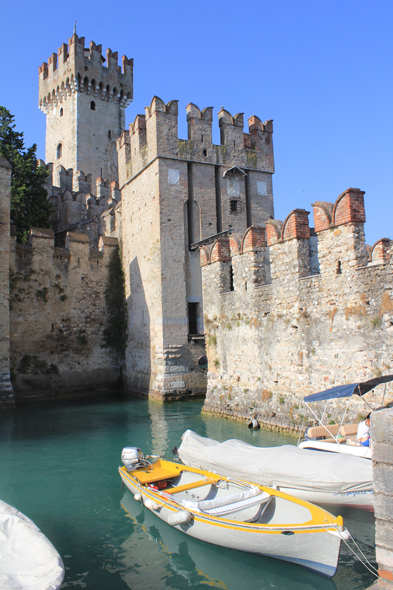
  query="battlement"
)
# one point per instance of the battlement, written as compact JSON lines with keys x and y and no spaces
{"x":295,"y":226}
{"x":76,"y":68}
{"x":348,"y":208}
{"x":77,"y":249}
{"x":288,"y":247}
{"x":77,"y":206}
{"x":156,"y":134}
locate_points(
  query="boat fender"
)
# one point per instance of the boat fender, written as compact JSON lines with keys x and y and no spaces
{"x":180,"y":517}
{"x":151,"y":505}
{"x":343,"y":535}
{"x":137,"y":497}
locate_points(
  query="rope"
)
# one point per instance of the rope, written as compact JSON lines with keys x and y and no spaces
{"x":369,"y":566}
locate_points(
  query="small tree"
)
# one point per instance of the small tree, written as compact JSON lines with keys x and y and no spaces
{"x":29,"y":204}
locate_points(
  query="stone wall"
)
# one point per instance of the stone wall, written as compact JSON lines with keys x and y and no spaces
{"x":177,"y":192}
{"x":6,"y":391}
{"x":59,"y":314}
{"x":275,"y":332}
{"x":84,"y":102}
{"x":382,"y":457}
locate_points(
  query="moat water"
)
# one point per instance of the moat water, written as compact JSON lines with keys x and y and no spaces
{"x":58,"y":465}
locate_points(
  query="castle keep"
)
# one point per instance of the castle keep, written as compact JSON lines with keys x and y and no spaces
{"x":84,"y":102}
{"x":176,"y":193}
{"x":283,"y":309}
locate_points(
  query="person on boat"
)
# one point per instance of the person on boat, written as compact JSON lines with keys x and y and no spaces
{"x":363,"y":433}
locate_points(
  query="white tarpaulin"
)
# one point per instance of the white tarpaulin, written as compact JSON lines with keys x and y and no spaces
{"x":28,"y":560}
{"x":285,"y":466}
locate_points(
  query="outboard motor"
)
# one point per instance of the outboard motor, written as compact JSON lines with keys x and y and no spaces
{"x":131,"y":457}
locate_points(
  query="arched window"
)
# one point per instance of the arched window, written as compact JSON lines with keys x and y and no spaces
{"x":92,"y":106}
{"x":58,"y":151}
{"x":204,"y":153}
{"x":61,"y":112}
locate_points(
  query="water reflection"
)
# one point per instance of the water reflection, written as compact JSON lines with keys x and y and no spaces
{"x":154,"y":542}
{"x":58,"y":465}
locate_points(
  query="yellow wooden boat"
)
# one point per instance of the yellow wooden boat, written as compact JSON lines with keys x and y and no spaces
{"x":235,"y":514}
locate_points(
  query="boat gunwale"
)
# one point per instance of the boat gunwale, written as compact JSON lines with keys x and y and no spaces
{"x":174,"y":506}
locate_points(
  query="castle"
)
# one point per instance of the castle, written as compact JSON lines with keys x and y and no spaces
{"x":204,"y":260}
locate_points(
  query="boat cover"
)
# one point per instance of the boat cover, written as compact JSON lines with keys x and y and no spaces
{"x":28,"y":560}
{"x":285,"y":466}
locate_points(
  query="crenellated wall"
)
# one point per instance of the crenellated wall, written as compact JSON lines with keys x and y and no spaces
{"x":84,"y":102}
{"x":175,"y":193}
{"x":59,"y":313}
{"x":239,"y":170}
{"x":77,"y":207}
{"x":295,"y":311}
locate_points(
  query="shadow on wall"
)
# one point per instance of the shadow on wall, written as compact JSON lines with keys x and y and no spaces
{"x":138,"y":356}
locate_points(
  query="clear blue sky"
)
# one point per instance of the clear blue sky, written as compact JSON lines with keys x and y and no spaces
{"x":321,"y":69}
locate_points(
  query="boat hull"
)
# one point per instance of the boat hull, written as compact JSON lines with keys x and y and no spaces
{"x":313,"y":547}
{"x":363,"y":500}
{"x":332,"y":447}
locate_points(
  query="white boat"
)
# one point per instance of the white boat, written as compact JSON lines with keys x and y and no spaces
{"x":321,"y":478}
{"x":198,"y":565}
{"x":338,"y":438}
{"x":28,"y":560}
{"x":235,"y":514}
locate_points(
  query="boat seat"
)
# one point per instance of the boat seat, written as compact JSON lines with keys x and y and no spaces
{"x":236,"y":506}
{"x":353,"y":442}
{"x":193,"y":484}
{"x":321,"y":431}
{"x":261,"y":511}
{"x":334,"y":440}
{"x":349,"y":429}
{"x":160,"y":472}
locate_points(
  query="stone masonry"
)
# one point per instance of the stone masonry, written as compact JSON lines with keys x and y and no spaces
{"x":291,"y":310}
{"x":175,"y":193}
{"x":382,"y":457}
{"x":6,"y":390}
{"x":59,"y":315}
{"x":84,"y":102}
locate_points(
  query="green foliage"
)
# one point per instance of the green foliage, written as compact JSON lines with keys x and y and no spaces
{"x":376,"y":322}
{"x":58,"y":288}
{"x":281,"y":400}
{"x":42,"y":294}
{"x":29,"y":204}
{"x":212,"y":340}
{"x":115,"y":334}
{"x":217,"y":363}
{"x":35,"y":366}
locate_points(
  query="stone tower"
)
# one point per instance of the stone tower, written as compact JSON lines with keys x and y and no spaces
{"x":84,"y":102}
{"x":175,"y":194}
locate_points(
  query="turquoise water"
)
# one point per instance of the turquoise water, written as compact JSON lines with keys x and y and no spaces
{"x":58,"y":465}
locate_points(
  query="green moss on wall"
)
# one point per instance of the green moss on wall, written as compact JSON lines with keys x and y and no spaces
{"x":115,"y":334}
